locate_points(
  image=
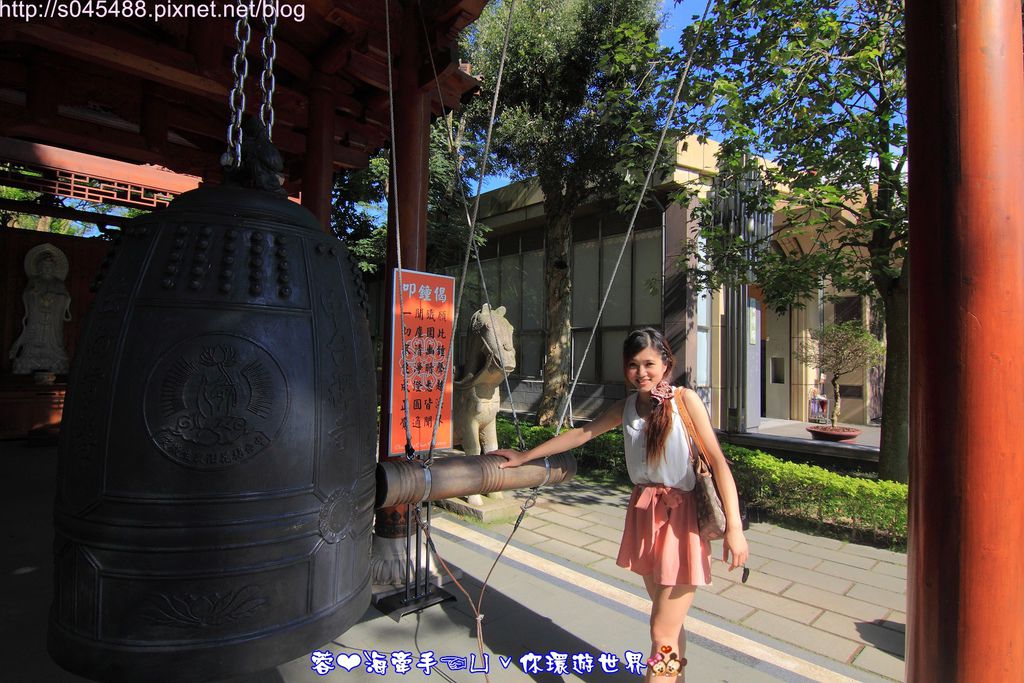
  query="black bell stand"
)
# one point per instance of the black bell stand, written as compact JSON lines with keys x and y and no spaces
{"x":417,"y":595}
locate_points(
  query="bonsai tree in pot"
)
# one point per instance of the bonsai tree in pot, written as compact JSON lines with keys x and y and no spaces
{"x":838,"y":349}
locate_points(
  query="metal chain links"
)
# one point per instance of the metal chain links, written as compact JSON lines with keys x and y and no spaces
{"x":269,"y":51}
{"x":236,"y":100}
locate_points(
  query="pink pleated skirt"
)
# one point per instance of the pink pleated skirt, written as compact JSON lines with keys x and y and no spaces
{"x":661,"y":539}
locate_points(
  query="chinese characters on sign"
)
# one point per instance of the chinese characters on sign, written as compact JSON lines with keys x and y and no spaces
{"x":422,"y":321}
{"x":402,"y":662}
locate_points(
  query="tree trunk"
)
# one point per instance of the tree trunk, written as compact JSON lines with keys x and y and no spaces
{"x":895,"y":439}
{"x":835,"y":400}
{"x":557,"y":368}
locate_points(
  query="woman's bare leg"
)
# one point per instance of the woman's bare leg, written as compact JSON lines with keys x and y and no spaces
{"x":669,"y":605}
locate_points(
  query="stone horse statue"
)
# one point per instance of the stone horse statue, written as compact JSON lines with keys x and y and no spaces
{"x":489,"y":352}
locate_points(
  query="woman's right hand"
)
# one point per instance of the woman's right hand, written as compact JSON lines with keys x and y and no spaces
{"x":513,"y":458}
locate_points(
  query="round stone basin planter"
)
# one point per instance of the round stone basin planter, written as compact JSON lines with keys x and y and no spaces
{"x":825,"y":433}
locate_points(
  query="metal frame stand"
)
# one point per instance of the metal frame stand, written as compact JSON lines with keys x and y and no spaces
{"x":417,"y":594}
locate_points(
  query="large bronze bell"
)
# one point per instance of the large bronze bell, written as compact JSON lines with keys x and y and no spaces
{"x":216,"y":462}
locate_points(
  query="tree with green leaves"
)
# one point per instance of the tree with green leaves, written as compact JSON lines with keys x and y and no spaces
{"x":819,"y":88}
{"x":837,"y":350}
{"x":358,"y":205}
{"x":577,"y":110}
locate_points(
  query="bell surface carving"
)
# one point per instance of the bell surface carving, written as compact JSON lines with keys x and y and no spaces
{"x":216,"y":471}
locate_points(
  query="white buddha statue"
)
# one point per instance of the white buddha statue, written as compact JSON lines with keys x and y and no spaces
{"x":40,"y":348}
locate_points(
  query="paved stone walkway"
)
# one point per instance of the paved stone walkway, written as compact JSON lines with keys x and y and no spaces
{"x":843,"y":601}
{"x":814,"y":609}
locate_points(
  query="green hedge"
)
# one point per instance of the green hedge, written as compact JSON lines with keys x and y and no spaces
{"x":874,"y":510}
{"x":860,"y":509}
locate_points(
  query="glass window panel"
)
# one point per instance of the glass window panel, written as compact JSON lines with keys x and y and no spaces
{"x":579,"y":341}
{"x":511,"y":284}
{"x":585,"y":297}
{"x":470,"y":300}
{"x":532,"y":354}
{"x":611,"y":355}
{"x":616,"y":311}
{"x":533,"y":290}
{"x":647,"y":278}
{"x":490,"y":268}
{"x":703,"y":309}
{"x":703,"y":369}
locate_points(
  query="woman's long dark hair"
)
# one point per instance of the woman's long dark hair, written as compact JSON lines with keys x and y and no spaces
{"x":659,"y":423}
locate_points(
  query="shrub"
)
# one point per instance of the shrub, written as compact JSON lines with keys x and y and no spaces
{"x":857,"y":508}
{"x":866,"y":508}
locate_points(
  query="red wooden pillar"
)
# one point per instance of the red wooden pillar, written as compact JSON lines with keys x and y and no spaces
{"x":407,"y":206}
{"x":966,"y":565}
{"x":318,"y":171}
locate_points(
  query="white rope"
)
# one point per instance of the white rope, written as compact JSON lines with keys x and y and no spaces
{"x":471,"y":221}
{"x":398,"y":241}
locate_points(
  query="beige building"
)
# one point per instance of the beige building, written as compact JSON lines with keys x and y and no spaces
{"x":736,"y":354}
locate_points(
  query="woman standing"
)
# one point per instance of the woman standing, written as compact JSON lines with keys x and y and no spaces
{"x":660,"y":541}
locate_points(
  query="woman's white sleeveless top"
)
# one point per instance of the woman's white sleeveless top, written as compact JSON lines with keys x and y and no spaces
{"x":674,"y":469}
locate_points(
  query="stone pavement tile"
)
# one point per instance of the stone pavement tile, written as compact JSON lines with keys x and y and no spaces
{"x":608,"y":566}
{"x":876,"y":553}
{"x":755,"y":536}
{"x":807,"y":637}
{"x":570,"y":536}
{"x":531,"y":522}
{"x":718,"y":583}
{"x":881,"y":663}
{"x":569,"y":552}
{"x":864,"y":631}
{"x":571,"y":510}
{"x":759,"y":551}
{"x":869,"y":578}
{"x":878,"y":596}
{"x":810,"y":539}
{"x":606,"y":548}
{"x":836,"y":556}
{"x":527,"y":537}
{"x":521,"y":536}
{"x":897,"y":570}
{"x":605,"y":532}
{"x":897,"y":620}
{"x":790,"y":609}
{"x":723,"y":607}
{"x":827,"y":600}
{"x":754,"y":561}
{"x":612,"y":521}
{"x":757,"y":579}
{"x":570,"y":521}
{"x":810,"y":577}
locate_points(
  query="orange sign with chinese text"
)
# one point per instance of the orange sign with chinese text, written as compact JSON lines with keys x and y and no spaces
{"x":423,"y":305}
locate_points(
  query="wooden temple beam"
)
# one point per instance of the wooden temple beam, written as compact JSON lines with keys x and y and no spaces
{"x":100,"y":140}
{"x":153,"y":121}
{"x":206,"y":44}
{"x":47,"y":156}
{"x":335,"y":55}
{"x":41,"y":100}
{"x":318,"y":169}
{"x":56,"y":211}
{"x":120,"y":52}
